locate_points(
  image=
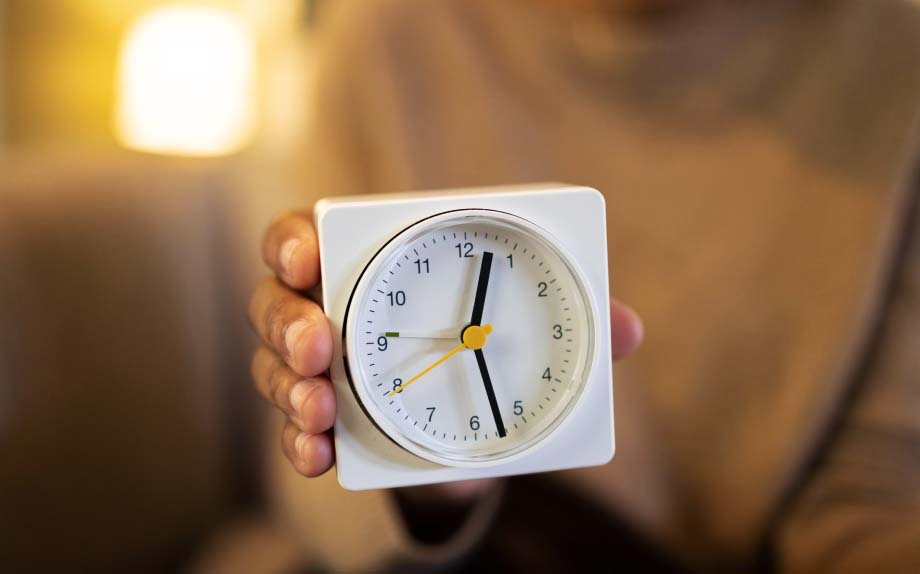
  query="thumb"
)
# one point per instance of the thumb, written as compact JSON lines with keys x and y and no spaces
{"x":626,"y":330}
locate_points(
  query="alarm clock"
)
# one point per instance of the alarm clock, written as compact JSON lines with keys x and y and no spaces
{"x":472,"y":333}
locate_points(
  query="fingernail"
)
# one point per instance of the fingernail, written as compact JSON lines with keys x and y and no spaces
{"x":298,"y":396}
{"x":292,"y":334}
{"x":299,"y":443}
{"x":288,"y":248}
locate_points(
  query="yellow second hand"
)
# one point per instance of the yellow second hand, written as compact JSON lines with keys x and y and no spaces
{"x":473,"y":338}
{"x":455,"y":350}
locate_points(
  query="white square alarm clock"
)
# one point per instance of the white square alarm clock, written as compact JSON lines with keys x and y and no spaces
{"x":472,"y":333}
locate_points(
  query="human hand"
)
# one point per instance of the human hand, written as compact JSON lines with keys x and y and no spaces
{"x":297,"y":347}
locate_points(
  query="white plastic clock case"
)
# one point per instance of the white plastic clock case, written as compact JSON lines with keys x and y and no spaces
{"x":574,"y":215}
{"x":381,"y":261}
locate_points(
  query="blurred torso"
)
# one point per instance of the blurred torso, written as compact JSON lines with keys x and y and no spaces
{"x":753,"y":166}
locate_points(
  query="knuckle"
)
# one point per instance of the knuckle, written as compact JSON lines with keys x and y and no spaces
{"x":271,"y":232}
{"x":275,"y":322}
{"x":288,"y":435}
{"x":261,"y":361}
{"x":256,"y":311}
{"x":277,"y":384}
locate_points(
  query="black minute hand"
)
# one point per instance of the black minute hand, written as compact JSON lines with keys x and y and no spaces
{"x":479,"y":302}
{"x":478,"y":305}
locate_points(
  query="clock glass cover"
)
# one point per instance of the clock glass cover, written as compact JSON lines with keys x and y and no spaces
{"x":469,"y":337}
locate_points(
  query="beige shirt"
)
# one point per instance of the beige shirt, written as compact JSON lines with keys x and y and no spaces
{"x":757,"y":164}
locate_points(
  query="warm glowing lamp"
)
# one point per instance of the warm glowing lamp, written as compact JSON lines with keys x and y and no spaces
{"x":185,"y":82}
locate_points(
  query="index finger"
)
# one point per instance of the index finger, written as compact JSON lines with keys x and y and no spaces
{"x":291,"y":249}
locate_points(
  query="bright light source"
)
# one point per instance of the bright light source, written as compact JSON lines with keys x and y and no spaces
{"x":185,"y":82}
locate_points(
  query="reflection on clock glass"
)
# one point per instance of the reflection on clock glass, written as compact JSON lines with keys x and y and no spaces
{"x":469,"y":337}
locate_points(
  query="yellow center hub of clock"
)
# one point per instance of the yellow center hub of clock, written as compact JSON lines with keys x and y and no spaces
{"x":474,"y":336}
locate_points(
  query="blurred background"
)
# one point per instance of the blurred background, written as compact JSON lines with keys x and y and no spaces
{"x":144,"y":147}
{"x":129,"y":225}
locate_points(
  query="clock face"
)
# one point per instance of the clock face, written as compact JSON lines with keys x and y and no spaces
{"x":469,"y":337}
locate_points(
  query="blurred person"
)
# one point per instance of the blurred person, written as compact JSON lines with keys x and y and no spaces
{"x":758,"y":163}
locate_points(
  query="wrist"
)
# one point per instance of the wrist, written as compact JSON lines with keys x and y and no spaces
{"x":434,"y":513}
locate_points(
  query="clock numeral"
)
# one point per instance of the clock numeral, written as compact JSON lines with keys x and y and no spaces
{"x":419,"y":263}
{"x":510,"y":259}
{"x":547,"y":375}
{"x":382,"y":343}
{"x":557,"y":332}
{"x":464,"y":249}
{"x":542,"y":289}
{"x":431,"y":413}
{"x":518,"y":407}
{"x":397,"y":298}
{"x":474,"y":422}
{"x":396,"y":383}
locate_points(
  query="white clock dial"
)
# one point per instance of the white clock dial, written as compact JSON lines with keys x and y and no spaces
{"x":469,"y":337}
